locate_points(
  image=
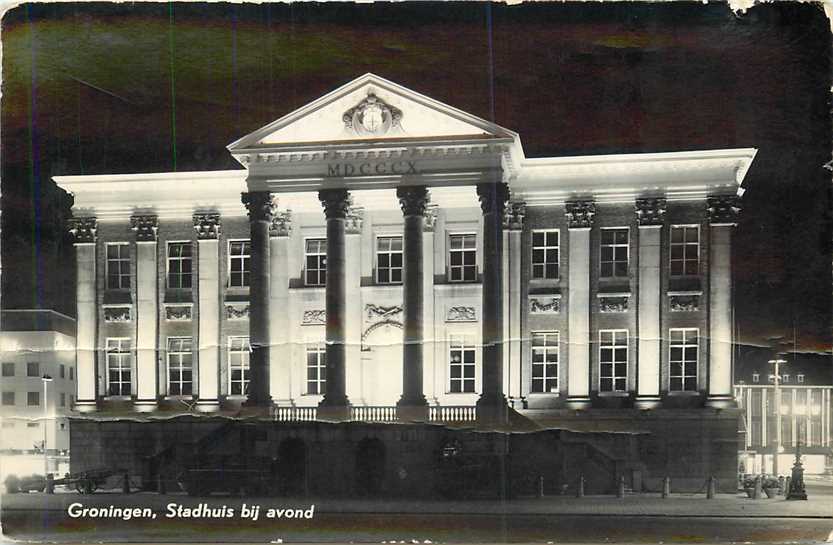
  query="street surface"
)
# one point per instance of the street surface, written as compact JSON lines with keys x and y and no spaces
{"x":644,"y":518}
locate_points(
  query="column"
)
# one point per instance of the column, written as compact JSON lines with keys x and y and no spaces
{"x":261,"y":208}
{"x":491,"y":407}
{"x":83,"y":231}
{"x":147,"y":312}
{"x":650,"y":215}
{"x":207,"y":227}
{"x":335,"y":405}
{"x":280,"y":355}
{"x":412,"y":404}
{"x":723,"y":213}
{"x":513,"y":222}
{"x":580,"y":216}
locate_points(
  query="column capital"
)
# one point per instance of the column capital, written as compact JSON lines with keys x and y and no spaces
{"x":429,"y":218}
{"x":260,"y":204}
{"x":650,"y":212}
{"x":580,"y":214}
{"x":207,"y":226}
{"x":514,"y":216}
{"x":145,"y":227}
{"x":493,"y":197}
{"x":413,"y":199}
{"x":354,"y":219}
{"x":83,"y":230}
{"x":281,"y":224}
{"x":723,"y":209}
{"x":336,"y":202}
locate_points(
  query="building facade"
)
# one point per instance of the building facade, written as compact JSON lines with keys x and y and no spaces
{"x":34,"y":412}
{"x":393,"y":257}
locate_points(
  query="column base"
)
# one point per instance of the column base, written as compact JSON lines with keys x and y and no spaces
{"x":85,"y":406}
{"x":145,"y":405}
{"x":578,"y":402}
{"x":492,"y":410}
{"x":334,"y":413}
{"x":208,"y":405}
{"x":412,"y":410}
{"x":647,"y":402}
{"x":725,"y":401}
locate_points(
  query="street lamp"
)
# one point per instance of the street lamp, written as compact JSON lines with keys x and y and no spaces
{"x":797,"y":490}
{"x":46,"y":380}
{"x":777,"y":363}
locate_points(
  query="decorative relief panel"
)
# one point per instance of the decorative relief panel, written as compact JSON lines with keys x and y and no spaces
{"x":314,"y":317}
{"x":613,"y":303}
{"x":379,"y":313}
{"x":461,"y":314}
{"x":114,"y":315}
{"x":83,"y":229}
{"x":353,"y":221}
{"x":544,"y":304}
{"x":430,"y":217}
{"x":237,"y":311}
{"x":684,"y":302}
{"x":723,"y":209}
{"x":178,"y":313}
{"x":580,"y":214}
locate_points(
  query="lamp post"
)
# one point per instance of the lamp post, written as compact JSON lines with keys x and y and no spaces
{"x":46,"y":379}
{"x":797,"y":490}
{"x":777,"y":364}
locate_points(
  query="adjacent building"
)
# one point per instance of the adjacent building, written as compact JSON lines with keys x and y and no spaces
{"x":34,"y":411}
{"x":383,"y":256}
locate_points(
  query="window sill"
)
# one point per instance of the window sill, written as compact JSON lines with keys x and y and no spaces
{"x":118,"y":398}
{"x":237,"y":397}
{"x":544,"y":394}
{"x":178,"y":398}
{"x":684,"y":393}
{"x":614,"y":394}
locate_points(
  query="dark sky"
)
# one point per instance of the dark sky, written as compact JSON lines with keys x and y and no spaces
{"x":138,"y":87}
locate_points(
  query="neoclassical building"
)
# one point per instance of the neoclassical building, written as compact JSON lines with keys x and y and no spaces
{"x":382,"y":255}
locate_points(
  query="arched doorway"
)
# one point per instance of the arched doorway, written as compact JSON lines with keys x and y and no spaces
{"x":370,"y":467}
{"x":292,"y":460}
{"x":382,"y":364}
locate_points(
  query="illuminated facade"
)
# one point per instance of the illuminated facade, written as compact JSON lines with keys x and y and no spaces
{"x":393,"y":258}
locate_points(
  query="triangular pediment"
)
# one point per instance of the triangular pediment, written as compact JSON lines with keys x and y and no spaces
{"x":370,"y":108}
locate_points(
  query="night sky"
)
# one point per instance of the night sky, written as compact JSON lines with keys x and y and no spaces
{"x":137,"y":87}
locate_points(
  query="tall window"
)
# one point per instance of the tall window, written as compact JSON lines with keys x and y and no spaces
{"x":613,"y":360}
{"x":8,"y":369}
{"x":33,"y":399}
{"x":63,"y":399}
{"x":180,"y":366}
{"x":118,"y":367}
{"x":389,"y":260}
{"x":614,"y":253}
{"x":461,"y":361}
{"x":72,"y":373}
{"x":545,"y":362}
{"x":545,"y":254}
{"x":685,"y":250}
{"x":179,"y":264}
{"x":316,"y":369}
{"x":8,"y":398}
{"x":238,"y":363}
{"x":118,"y":266}
{"x":315,"y":263}
{"x":239,"y":252}
{"x":462,"y":258}
{"x":32,"y":369}
{"x":683,"y":357}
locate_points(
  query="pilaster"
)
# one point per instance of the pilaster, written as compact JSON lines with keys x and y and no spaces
{"x":280,"y":354}
{"x":722,"y":212}
{"x":580,"y":216}
{"x":354,"y":229}
{"x":147,"y":311}
{"x":650,"y":216}
{"x":207,"y":227}
{"x":83,"y":231}
{"x":513,"y":223}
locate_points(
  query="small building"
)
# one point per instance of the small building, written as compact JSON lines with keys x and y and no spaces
{"x":806,"y":413}
{"x":396,"y":259}
{"x":35,"y":344}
